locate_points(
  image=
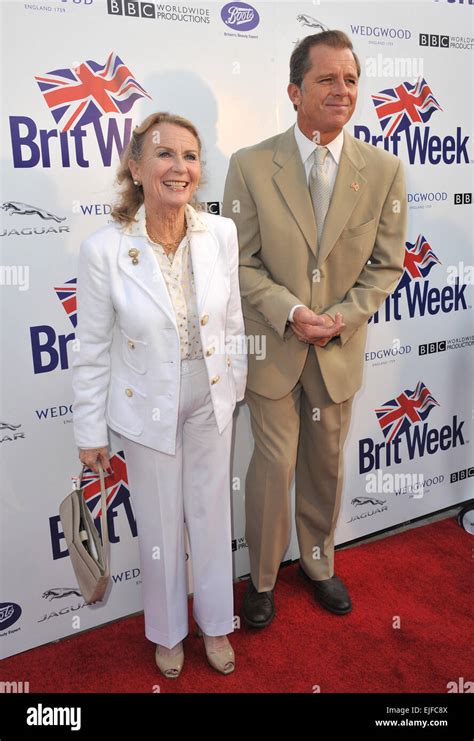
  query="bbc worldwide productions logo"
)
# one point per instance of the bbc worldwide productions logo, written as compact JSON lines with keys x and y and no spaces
{"x":443,"y":41}
{"x":158,"y":11}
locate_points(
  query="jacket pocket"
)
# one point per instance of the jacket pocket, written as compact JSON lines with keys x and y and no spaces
{"x":356,"y":231}
{"x":134,"y":353}
{"x":126,"y":406}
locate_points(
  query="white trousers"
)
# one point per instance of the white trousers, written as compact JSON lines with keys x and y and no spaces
{"x":192,"y":486}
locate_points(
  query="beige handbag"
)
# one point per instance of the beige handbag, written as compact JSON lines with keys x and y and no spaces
{"x":89,"y":556}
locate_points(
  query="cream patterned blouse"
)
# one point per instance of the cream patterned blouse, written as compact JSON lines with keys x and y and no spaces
{"x":179,"y":278}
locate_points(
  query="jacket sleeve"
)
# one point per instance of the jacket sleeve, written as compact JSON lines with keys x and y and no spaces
{"x":379,"y":277}
{"x":272,"y":300}
{"x":235,"y":330}
{"x":91,"y":364}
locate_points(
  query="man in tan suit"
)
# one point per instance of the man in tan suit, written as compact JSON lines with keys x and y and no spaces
{"x":321,"y":220}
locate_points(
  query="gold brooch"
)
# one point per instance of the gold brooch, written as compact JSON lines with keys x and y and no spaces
{"x":355,"y":186}
{"x":133,"y":253}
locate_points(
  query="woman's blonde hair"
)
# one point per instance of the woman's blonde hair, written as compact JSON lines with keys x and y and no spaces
{"x":131,"y":196}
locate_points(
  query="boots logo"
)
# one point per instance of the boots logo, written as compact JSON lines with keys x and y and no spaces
{"x":240,"y":16}
{"x":398,"y":108}
{"x":10,"y":612}
{"x":81,"y":95}
{"x":402,"y":112}
{"x":419,"y":260}
{"x":406,"y":432}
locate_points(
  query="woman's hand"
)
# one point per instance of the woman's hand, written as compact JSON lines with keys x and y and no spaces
{"x":90,"y":457}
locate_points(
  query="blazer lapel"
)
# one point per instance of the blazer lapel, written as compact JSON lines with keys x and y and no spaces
{"x":290,"y":180}
{"x":146,"y":273}
{"x":348,"y":188}
{"x":204,"y":249}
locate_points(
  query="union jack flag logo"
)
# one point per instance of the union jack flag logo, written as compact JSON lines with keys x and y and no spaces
{"x":396,"y":415}
{"x":398,"y":108}
{"x":419,"y":260}
{"x":67,"y":295}
{"x":116,"y":485}
{"x":81,"y":95}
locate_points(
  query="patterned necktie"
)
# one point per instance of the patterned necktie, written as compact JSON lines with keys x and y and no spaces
{"x":319,"y":188}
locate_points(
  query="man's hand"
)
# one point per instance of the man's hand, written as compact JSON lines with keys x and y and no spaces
{"x":316,"y":329}
{"x":331,"y":324}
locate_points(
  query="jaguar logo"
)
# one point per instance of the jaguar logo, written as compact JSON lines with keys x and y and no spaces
{"x":24,"y":209}
{"x":359,"y":501}
{"x":59,"y":592}
{"x":7,"y":426}
{"x":308,"y":20}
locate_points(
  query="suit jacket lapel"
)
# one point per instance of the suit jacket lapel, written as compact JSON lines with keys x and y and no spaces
{"x":290,"y":179}
{"x":348,"y":188}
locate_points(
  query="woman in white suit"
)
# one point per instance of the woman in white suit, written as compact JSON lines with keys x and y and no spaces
{"x":161,"y":361}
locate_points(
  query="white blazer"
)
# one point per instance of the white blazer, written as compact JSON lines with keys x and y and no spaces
{"x":126,"y":370}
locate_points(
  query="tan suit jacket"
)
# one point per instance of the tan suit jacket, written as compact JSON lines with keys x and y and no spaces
{"x":356,"y":266}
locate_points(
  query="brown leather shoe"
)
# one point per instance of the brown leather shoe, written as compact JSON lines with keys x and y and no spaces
{"x":332,"y":594}
{"x":258,"y":608}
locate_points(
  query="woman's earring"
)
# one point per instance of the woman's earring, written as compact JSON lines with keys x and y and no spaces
{"x":136,"y":182}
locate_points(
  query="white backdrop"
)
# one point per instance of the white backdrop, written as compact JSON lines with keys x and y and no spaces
{"x":226,"y":68}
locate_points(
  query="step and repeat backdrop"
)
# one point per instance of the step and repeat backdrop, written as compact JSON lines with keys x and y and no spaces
{"x":78,"y":75}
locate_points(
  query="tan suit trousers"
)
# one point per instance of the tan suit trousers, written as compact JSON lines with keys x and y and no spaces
{"x":305,"y":430}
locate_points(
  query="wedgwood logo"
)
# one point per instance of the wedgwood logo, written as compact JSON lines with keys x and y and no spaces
{"x":240,"y":16}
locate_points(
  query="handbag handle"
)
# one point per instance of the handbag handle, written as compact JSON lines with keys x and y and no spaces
{"x":103,"y":513}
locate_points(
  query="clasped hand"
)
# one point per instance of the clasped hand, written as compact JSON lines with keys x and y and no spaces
{"x":316,"y":329}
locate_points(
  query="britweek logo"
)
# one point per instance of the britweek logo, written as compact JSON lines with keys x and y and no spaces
{"x":420,"y":298}
{"x":78,"y":97}
{"x":402,"y":111}
{"x":118,"y":495}
{"x":240,"y":16}
{"x":404,"y":425}
{"x":49,"y":349}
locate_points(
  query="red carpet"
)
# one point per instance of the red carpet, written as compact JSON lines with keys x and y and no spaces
{"x":422,"y":576}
